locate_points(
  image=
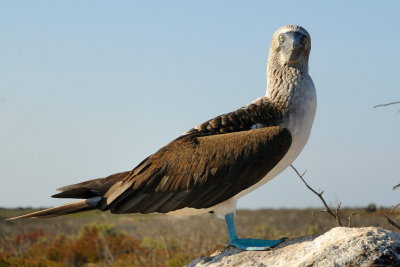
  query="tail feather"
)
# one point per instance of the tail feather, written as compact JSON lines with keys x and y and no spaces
{"x":91,"y":188}
{"x":69,"y":208}
{"x":91,"y":192}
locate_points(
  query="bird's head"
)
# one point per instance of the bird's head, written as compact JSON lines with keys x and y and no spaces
{"x":291,"y":46}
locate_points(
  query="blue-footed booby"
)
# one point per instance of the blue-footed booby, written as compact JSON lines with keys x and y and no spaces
{"x":208,"y":168}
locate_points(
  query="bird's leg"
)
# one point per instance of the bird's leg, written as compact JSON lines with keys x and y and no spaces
{"x":247,"y":243}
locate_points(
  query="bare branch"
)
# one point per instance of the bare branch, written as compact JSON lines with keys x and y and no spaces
{"x":395,"y":187}
{"x":349,"y":218}
{"x":337,"y":215}
{"x":387,"y":104}
{"x":392,"y":222}
{"x":327,"y":209}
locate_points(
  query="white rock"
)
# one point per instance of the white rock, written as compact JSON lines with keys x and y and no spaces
{"x":341,"y":246}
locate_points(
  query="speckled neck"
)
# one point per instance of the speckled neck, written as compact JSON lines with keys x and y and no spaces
{"x":284,"y":82}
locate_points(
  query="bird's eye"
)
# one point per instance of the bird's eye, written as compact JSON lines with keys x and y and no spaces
{"x":304,"y":40}
{"x":281,"y":38}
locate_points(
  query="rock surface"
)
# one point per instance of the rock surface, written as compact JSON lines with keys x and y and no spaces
{"x":341,"y":246}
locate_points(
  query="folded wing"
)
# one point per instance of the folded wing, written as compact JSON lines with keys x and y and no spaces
{"x":198,"y":172}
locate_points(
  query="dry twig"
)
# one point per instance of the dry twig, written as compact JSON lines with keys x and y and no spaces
{"x":395,"y":187}
{"x":389,"y":220}
{"x":337,"y":215}
{"x":327,"y":209}
{"x":387,"y":104}
{"x":392,"y":222}
{"x":349,"y":218}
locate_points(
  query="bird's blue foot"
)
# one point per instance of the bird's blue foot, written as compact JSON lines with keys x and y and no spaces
{"x":247,"y":243}
{"x":255,"y":244}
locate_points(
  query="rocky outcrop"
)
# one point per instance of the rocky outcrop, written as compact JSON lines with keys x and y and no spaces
{"x":341,"y":246}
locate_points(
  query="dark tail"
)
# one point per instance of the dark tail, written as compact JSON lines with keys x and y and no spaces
{"x":91,"y":192}
{"x":73,"y":207}
{"x":91,"y":188}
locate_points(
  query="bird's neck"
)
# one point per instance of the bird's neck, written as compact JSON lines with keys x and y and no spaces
{"x":283,"y":83}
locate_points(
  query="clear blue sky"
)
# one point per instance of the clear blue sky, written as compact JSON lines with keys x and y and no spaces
{"x":90,"y":88}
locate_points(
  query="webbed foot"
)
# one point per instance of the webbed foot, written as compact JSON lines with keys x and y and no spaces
{"x":247,"y":243}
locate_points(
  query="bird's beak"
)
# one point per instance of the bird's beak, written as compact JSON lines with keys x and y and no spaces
{"x":293,"y":48}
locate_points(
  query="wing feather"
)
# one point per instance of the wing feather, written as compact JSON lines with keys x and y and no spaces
{"x":199,"y":172}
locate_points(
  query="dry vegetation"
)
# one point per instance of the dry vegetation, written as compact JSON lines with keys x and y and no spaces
{"x":102,"y":239}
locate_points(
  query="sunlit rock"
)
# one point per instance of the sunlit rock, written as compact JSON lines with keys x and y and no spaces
{"x":341,"y":246}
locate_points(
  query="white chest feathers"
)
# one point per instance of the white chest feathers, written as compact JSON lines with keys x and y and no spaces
{"x":302,"y":108}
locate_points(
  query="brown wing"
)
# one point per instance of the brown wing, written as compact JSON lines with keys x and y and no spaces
{"x":261,"y":111}
{"x":198,"y":172}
